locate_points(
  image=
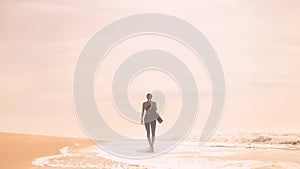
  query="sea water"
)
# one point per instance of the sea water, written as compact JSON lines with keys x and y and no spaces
{"x":190,"y":153}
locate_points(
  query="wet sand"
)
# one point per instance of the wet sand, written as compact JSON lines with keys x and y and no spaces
{"x":19,"y":150}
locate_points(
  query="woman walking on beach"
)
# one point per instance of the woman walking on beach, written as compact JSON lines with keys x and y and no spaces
{"x":150,"y":119}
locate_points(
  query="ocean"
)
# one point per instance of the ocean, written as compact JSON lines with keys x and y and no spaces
{"x":230,"y":151}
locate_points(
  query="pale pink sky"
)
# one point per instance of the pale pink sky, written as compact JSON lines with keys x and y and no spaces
{"x":258,"y":43}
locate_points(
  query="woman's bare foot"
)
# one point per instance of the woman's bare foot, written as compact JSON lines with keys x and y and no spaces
{"x":151,"y":149}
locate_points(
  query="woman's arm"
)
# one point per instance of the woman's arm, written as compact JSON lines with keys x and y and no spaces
{"x":142,"y":117}
{"x":154,"y":106}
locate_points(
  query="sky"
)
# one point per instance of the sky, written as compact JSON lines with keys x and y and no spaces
{"x":258,"y":44}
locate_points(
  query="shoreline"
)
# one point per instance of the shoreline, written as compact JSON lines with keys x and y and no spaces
{"x":19,"y":150}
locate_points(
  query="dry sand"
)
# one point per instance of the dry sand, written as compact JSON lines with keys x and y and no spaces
{"x":19,"y":150}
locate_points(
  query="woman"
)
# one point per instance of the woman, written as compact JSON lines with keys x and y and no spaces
{"x":150,"y":119}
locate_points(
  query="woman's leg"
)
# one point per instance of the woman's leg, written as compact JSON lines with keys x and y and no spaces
{"x":147,"y":126}
{"x":153,"y":126}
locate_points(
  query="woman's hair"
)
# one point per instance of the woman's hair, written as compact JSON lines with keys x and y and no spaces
{"x":149,"y":95}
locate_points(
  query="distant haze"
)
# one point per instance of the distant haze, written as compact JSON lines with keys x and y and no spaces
{"x":258,"y":44}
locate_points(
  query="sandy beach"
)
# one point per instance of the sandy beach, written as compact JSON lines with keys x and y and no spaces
{"x":19,"y":150}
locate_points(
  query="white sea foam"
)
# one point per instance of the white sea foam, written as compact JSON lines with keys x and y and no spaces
{"x":256,"y":140}
{"x":189,"y":154}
